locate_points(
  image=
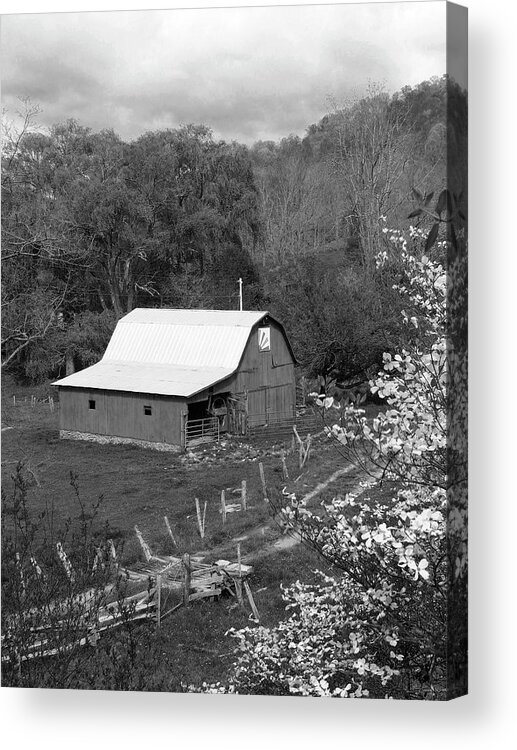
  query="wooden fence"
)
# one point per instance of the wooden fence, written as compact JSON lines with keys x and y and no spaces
{"x":301,"y":389}
{"x":186,"y":579}
{"x":278,"y":426}
{"x":264,"y":426}
{"x":167,"y":582}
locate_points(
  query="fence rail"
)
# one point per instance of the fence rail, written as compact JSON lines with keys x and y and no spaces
{"x":279,"y":425}
{"x":266,"y":419}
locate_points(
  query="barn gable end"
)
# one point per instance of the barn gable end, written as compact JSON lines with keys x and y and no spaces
{"x":267,"y":376}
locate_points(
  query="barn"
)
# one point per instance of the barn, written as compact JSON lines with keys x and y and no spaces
{"x":169,"y":377}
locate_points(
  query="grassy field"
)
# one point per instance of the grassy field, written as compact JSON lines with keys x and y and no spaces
{"x":141,"y":486}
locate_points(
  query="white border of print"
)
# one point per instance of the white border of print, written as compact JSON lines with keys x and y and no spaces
{"x":54,"y":719}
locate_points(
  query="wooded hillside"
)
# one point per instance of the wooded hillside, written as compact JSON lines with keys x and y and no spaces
{"x":93,"y":227}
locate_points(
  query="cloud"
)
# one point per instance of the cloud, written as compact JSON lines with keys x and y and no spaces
{"x":248,"y":73}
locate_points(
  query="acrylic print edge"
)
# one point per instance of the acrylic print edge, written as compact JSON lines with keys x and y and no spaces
{"x":457,"y":349}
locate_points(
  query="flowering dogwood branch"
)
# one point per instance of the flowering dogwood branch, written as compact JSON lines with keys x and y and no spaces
{"x":381,"y":626}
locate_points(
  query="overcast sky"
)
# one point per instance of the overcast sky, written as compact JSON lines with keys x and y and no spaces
{"x":248,"y":73}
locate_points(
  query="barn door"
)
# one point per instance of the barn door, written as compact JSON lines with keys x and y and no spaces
{"x":257,"y":406}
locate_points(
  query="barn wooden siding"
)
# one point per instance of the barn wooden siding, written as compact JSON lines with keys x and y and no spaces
{"x":120,"y":414}
{"x":267,"y":377}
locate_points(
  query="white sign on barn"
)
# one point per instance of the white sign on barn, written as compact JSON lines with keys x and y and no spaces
{"x":264,"y":339}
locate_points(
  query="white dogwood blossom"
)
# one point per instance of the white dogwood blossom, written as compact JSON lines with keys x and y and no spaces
{"x":380,"y":626}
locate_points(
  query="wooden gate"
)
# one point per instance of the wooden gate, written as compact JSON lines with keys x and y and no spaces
{"x":198,"y":431}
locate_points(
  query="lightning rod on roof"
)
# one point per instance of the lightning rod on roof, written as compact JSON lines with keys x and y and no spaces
{"x":240,"y":294}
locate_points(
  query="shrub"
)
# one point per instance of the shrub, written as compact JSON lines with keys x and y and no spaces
{"x":392,"y":621}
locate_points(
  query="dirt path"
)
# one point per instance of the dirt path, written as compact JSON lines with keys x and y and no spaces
{"x":291,"y":538}
{"x":323,"y":485}
{"x":288,"y":539}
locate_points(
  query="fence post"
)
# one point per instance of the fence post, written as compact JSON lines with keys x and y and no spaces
{"x":186,"y":579}
{"x":307,"y":450}
{"x":168,"y":526}
{"x":238,"y":580}
{"x":113,"y":551}
{"x":244,"y":492}
{"x":223,"y":506}
{"x":184,"y":420}
{"x":263,"y":481}
{"x":200,"y":519}
{"x":251,"y":601}
{"x":284,"y":467}
{"x":145,"y":547}
{"x":158,"y":600}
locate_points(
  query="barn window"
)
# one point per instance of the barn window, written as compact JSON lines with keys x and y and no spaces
{"x":91,"y":404}
{"x":148,"y":411}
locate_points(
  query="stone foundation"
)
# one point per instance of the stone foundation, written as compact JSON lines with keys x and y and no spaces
{"x":112,"y":440}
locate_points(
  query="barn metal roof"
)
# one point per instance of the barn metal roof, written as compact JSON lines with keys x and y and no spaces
{"x":170,"y":352}
{"x":164,"y":380}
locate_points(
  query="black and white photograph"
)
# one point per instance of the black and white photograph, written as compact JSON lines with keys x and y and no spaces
{"x":234,"y":351}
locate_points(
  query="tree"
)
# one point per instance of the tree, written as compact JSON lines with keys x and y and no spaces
{"x":340,"y":318}
{"x":373,"y":151}
{"x":79,"y":343}
{"x":392,"y":621}
{"x":52,"y":588}
{"x":93,"y":225}
{"x":59,"y":581}
{"x":299,"y":200}
{"x":32,"y":295}
{"x":201,"y":203}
